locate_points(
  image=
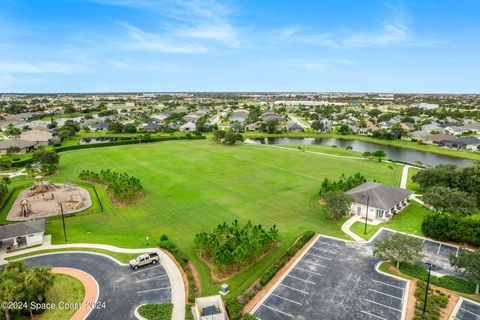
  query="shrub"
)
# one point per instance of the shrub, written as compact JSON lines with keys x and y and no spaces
{"x":445,"y":227}
{"x":285,"y":257}
{"x":120,"y":185}
{"x":156,"y":311}
{"x":248,"y":316}
{"x":447,"y":282}
{"x":234,"y":309}
{"x":182,"y":259}
{"x":188,"y":312}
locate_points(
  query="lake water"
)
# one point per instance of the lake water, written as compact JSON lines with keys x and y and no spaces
{"x":393,"y":152}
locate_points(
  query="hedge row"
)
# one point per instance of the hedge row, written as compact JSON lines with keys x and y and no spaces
{"x":446,"y":227}
{"x":182,"y":259}
{"x":285,"y":257}
{"x":156,"y":311}
{"x":447,"y":282}
{"x":125,"y":142}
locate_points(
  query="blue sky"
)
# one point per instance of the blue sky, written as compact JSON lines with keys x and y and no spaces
{"x":215,"y":45}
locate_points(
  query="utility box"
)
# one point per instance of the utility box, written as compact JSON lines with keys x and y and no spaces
{"x":224,"y":289}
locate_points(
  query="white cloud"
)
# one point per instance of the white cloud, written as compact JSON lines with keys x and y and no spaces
{"x":139,"y":39}
{"x":143,"y":66}
{"x":41,"y":67}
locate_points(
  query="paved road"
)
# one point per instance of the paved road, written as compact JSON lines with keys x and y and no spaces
{"x":121,"y":288}
{"x":334,"y":280}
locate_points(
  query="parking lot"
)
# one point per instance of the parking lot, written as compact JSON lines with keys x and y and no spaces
{"x":435,"y":252}
{"x":334,"y":280}
{"x":468,"y":310}
{"x":121,"y":288}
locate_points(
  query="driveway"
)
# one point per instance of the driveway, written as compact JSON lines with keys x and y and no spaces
{"x":334,"y":280}
{"x":121,"y":288}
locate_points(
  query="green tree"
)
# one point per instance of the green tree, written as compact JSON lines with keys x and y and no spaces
{"x":398,"y":247}
{"x":379,"y":154}
{"x":337,"y":204}
{"x":130,"y":128}
{"x":344,"y":129}
{"x":232,"y":138}
{"x":317,"y":125}
{"x":467,"y":263}
{"x":444,"y":199}
{"x":46,"y":157}
{"x":115,"y":127}
{"x":12,"y":130}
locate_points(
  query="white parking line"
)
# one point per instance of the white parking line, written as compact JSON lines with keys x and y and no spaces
{"x":325,"y":250}
{"x":151,"y":290}
{"x":287,"y":314}
{"x":384,"y":305}
{"x":461,"y":308}
{"x":388,"y":284}
{"x":286,"y":299}
{"x":283,"y":285}
{"x":316,"y":255}
{"x":297,"y":278}
{"x":373,"y":315}
{"x":153,"y":278}
{"x":145,"y":269}
{"x":439,"y":247}
{"x":386,"y":294}
{"x":315,"y":273}
{"x":315,"y":264}
{"x":329,"y":244}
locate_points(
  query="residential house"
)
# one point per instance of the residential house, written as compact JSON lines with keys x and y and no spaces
{"x":423,"y":105}
{"x":252,"y":127}
{"x":22,"y":234}
{"x":236,"y":127}
{"x":151,"y":127}
{"x":189,"y":126}
{"x":98,"y":127}
{"x":432,"y":127}
{"x":24,"y":146}
{"x":466,"y":143}
{"x":378,"y":201}
{"x":40,"y":137}
{"x":407,"y":126}
{"x":440,"y":139}
{"x":294,"y":127}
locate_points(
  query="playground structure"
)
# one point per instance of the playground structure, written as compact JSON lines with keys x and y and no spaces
{"x":46,"y":199}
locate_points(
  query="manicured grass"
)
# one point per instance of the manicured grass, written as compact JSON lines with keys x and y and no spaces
{"x":122,"y":257}
{"x":190,"y":186}
{"x":408,"y":220}
{"x":410,"y":184}
{"x":359,"y":229}
{"x":156,"y":311}
{"x":65,"y":289}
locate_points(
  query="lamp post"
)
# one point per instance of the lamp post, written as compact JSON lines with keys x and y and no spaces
{"x":366,"y":215}
{"x":63,"y":221}
{"x":426,"y":291}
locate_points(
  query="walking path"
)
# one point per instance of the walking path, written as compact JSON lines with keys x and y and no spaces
{"x":174,"y":274}
{"x":346,"y":229}
{"x":91,"y":291}
{"x":403,"y":182}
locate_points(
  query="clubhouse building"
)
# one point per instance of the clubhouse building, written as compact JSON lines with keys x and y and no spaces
{"x":383,"y":201}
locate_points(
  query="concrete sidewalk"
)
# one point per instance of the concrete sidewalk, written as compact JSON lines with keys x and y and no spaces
{"x":174,"y":274}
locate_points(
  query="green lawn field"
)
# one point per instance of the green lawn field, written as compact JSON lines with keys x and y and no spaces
{"x":190,"y":186}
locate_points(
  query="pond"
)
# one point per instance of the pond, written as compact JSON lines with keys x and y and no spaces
{"x":393,"y":152}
